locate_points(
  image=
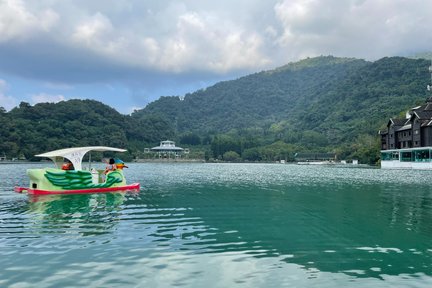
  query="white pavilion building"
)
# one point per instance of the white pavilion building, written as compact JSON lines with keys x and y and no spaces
{"x":167,"y":149}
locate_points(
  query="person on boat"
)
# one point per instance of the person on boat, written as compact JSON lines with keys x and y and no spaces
{"x":111,"y":166}
{"x":67,"y":165}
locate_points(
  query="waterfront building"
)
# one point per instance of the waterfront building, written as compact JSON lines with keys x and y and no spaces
{"x":407,"y":142}
{"x":412,"y":132}
{"x":168,"y":149}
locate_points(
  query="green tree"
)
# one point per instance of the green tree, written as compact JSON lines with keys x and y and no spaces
{"x":231,"y":156}
{"x":190,"y":139}
{"x":224,"y":143}
{"x":252,"y":154}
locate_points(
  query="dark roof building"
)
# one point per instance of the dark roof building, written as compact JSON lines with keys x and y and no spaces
{"x":407,"y":142}
{"x":415,"y":130}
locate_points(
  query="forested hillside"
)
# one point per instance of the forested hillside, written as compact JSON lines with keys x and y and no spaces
{"x":323,"y":104}
{"x":28,"y":130}
{"x":326,"y":92}
{"x":319,"y":104}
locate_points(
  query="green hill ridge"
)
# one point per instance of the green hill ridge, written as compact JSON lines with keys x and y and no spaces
{"x":321,"y":104}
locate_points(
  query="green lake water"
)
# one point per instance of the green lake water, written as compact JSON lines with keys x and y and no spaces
{"x":223,"y":225}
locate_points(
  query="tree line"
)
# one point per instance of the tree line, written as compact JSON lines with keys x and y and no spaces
{"x":322,"y":104}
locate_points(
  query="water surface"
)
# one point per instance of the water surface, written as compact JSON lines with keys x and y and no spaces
{"x":223,"y":225}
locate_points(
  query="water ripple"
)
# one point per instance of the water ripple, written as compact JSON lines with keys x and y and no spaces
{"x":224,"y":225}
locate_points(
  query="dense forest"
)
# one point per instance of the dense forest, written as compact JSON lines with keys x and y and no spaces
{"x":322,"y":104}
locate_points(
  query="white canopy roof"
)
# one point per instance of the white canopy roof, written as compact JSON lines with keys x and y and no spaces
{"x":75,"y":155}
{"x":167,"y":146}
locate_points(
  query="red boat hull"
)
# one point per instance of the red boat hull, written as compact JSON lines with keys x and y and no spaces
{"x":131,"y":187}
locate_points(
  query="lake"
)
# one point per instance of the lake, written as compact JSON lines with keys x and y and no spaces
{"x":223,"y":225}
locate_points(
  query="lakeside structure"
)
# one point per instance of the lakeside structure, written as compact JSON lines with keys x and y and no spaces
{"x":168,"y":150}
{"x":315,"y":157}
{"x":407,"y":142}
{"x":13,"y":160}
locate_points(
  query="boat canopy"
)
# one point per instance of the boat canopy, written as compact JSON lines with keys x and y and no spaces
{"x":75,"y":155}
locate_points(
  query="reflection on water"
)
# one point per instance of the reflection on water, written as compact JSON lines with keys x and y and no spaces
{"x":353,"y":234}
{"x":225,"y":225}
{"x":88,"y":214}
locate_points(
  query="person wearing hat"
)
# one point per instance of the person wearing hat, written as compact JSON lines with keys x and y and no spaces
{"x":111,"y":166}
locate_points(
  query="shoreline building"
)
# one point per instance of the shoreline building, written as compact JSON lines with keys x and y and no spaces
{"x":407,"y":142}
{"x":167,"y":149}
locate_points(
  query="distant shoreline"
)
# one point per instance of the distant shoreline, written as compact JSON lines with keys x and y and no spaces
{"x":168,"y":160}
{"x":16,"y":162}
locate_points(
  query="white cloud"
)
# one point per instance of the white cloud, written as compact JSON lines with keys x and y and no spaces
{"x":171,"y":46}
{"x":3,"y":85}
{"x":46,"y":98}
{"x":182,"y":36}
{"x":6,"y":101}
{"x":95,"y":30}
{"x":17,"y":22}
{"x":365,"y":29}
{"x":174,"y":39}
{"x":189,"y":40}
{"x":207,"y":42}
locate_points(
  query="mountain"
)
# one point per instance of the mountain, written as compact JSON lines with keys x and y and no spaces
{"x":339,"y":98}
{"x":321,"y":104}
{"x":423,"y":55}
{"x":28,"y":130}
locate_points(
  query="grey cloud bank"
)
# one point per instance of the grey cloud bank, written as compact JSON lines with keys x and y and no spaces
{"x":171,"y":46}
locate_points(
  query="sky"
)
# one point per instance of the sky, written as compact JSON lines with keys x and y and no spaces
{"x":129,"y":53}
